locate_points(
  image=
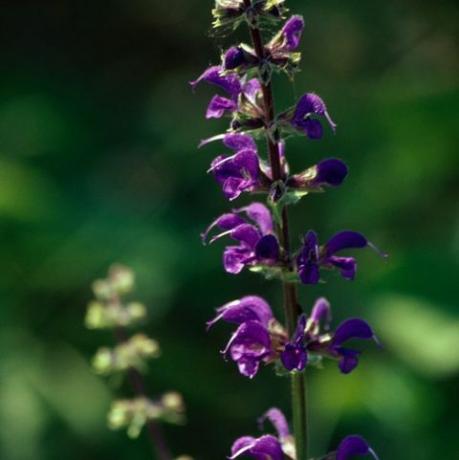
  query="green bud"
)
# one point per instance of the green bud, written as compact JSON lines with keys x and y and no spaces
{"x":102,"y":362}
{"x":121,"y":279}
{"x":95,"y":315}
{"x":136,"y":311}
{"x":102,"y":289}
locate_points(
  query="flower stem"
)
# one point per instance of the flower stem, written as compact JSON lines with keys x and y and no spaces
{"x":136,"y":381}
{"x":291,"y":307}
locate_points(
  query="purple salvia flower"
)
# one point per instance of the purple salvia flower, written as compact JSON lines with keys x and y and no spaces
{"x":214,"y":75}
{"x":352,"y":446}
{"x":354,"y":328}
{"x":278,"y":420}
{"x":233,"y":57}
{"x":239,"y":57}
{"x":248,"y":308}
{"x":330,"y":172}
{"x":311,"y":104}
{"x":312,"y":256}
{"x":228,"y":82}
{"x":287,"y":39}
{"x":240,"y":172}
{"x":258,"y":336}
{"x":262,"y":448}
{"x":295,"y":357}
{"x":308,"y":338}
{"x":321,"y":311}
{"x":267,"y":447}
{"x":257,"y":243}
{"x":292,"y":31}
{"x":251,"y":344}
{"x":248,"y":347}
{"x":241,"y":95}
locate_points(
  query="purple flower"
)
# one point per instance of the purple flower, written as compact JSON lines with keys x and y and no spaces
{"x":253,"y":342}
{"x":354,"y":328}
{"x":241,"y":95}
{"x":264,"y":447}
{"x":240,"y":172}
{"x":257,"y":243}
{"x":311,"y":104}
{"x":309,"y":338}
{"x":288,"y":38}
{"x":330,"y":172}
{"x":352,"y":446}
{"x":295,"y":357}
{"x":267,"y":447}
{"x":239,"y":57}
{"x":312,"y":256}
{"x":228,"y":82}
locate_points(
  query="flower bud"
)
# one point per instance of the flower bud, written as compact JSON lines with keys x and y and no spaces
{"x":102,"y":289}
{"x":121,"y":279}
{"x":136,"y":311}
{"x":94,"y":315}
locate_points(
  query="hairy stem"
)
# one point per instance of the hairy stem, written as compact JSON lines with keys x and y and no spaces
{"x":137,"y":383}
{"x":291,"y":307}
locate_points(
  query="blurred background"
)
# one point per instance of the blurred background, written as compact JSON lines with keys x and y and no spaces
{"x":98,"y":164}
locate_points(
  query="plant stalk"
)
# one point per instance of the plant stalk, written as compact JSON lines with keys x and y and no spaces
{"x":292,"y":309}
{"x":137,"y":383}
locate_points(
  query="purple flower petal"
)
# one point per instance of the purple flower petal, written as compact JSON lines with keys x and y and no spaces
{"x":248,"y":346}
{"x":264,"y":448}
{"x":242,"y":443}
{"x":237,"y":173}
{"x":233,"y":187}
{"x":353,"y":445}
{"x":233,"y":57}
{"x":250,"y":339}
{"x":278,"y":420}
{"x":346,"y":265}
{"x":354,"y":328}
{"x":248,"y":308}
{"x":292,"y":31}
{"x":311,"y":244}
{"x":248,"y":366}
{"x":218,"y":106}
{"x":213,"y":75}
{"x":331,"y":172}
{"x":294,"y":357}
{"x":311,"y":104}
{"x":321,"y":310}
{"x":267,"y":248}
{"x":298,"y":335}
{"x":235,"y":258}
{"x":251,"y":90}
{"x":309,"y":273}
{"x":260,"y":214}
{"x":312,"y":128}
{"x":246,"y":233}
{"x":349,"y":359}
{"x":246,"y":162}
{"x":346,"y":239}
{"x":224,"y":222}
{"x":239,"y":141}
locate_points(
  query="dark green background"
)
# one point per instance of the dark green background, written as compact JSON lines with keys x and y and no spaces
{"x":98,"y":163}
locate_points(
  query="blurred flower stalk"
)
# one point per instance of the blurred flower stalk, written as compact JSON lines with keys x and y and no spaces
{"x":129,"y":357}
{"x":259,"y":232}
